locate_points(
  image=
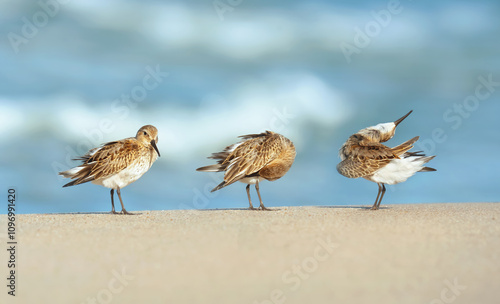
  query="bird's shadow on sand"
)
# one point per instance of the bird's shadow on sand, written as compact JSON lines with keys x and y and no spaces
{"x":352,"y":207}
{"x":284,"y":207}
{"x":272,"y":209}
{"x":240,"y":209}
{"x":95,"y":213}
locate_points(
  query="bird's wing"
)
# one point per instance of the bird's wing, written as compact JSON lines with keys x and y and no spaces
{"x":364,"y":160}
{"x":105,"y":161}
{"x":404,"y":147}
{"x":354,"y":167}
{"x":251,"y":156}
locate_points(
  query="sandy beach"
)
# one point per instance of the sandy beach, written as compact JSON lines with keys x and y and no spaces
{"x":425,"y":253}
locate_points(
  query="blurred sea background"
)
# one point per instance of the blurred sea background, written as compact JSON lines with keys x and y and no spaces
{"x":75,"y":74}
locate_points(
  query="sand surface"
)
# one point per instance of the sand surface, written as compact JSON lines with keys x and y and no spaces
{"x":436,"y":253}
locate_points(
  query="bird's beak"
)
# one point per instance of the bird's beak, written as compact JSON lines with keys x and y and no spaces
{"x":153,"y":143}
{"x":397,"y":122}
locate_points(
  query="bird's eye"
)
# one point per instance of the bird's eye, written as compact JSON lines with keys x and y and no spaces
{"x":145,"y":133}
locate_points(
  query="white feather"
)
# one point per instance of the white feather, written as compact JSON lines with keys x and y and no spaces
{"x":232,"y":163}
{"x":215,"y":168}
{"x":72,"y":172}
{"x":251,"y":180}
{"x":383,"y":127}
{"x":125,"y":177}
{"x":398,"y":170}
{"x":233,"y":147}
{"x":93,"y":151}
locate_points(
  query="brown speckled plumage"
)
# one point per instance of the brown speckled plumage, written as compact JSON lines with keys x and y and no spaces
{"x":267,"y":156}
{"x":118,"y":163}
{"x":363,"y":158}
{"x":364,"y":155}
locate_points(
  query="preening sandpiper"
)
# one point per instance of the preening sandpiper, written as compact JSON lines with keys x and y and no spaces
{"x":265,"y":156}
{"x":117,"y":164}
{"x":363,"y":155}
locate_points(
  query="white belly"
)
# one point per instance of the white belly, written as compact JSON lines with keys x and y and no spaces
{"x":251,"y":180}
{"x":398,"y":170}
{"x":124,"y":177}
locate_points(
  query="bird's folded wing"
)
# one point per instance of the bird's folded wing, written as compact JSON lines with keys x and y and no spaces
{"x":355,"y":167}
{"x":250,"y":157}
{"x":106,"y":160}
{"x":364,"y":160}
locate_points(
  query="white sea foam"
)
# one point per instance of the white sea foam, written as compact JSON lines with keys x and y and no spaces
{"x":12,"y":119}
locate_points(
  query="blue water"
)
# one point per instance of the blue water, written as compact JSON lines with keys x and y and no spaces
{"x":97,"y":71}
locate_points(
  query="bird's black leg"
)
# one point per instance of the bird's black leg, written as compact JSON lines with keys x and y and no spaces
{"x":375,"y":205}
{"x":123,"y":207}
{"x":249,"y":199}
{"x":383,"y":192}
{"x":262,"y":207}
{"x":113,"y":202}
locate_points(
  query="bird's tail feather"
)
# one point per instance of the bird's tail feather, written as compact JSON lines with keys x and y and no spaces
{"x":404,"y":147}
{"x":220,"y":186}
{"x":212,"y":168}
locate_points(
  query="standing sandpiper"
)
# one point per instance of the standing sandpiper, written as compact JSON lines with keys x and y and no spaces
{"x":117,"y":164}
{"x":363,"y":155}
{"x":259,"y":156}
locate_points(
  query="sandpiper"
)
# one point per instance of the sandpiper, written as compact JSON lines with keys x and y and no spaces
{"x":363,"y":155}
{"x":258,"y":157}
{"x":117,"y":164}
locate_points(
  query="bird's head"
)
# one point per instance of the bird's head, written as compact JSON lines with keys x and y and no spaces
{"x":148,"y":135}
